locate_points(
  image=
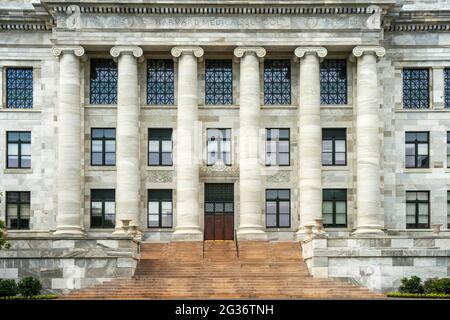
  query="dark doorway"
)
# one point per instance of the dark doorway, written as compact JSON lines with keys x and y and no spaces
{"x":219,"y":211}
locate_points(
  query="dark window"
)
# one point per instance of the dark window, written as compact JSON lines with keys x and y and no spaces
{"x":334,"y":207}
{"x":447,"y":87}
{"x":334,"y":150}
{"x":415,"y":88}
{"x":417,"y":149}
{"x":219,"y":146}
{"x":103,"y":208}
{"x":19,"y":88}
{"x":277,"y":147}
{"x":18,"y":149}
{"x":18,"y":210}
{"x":448,"y":209}
{"x":333,"y":82}
{"x":219,"y":198}
{"x":278,"y":208}
{"x":103,"y":147}
{"x":448,"y":149}
{"x":160,"y":208}
{"x":103,"y":81}
{"x":218,"y":82}
{"x":160,"y":147}
{"x":277,"y":82}
{"x":417,"y":209}
{"x":160,"y":82}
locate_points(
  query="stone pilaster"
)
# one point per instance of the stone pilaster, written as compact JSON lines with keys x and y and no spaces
{"x":127,"y":136}
{"x":369,"y":215}
{"x":251,"y":223}
{"x":68,"y":219}
{"x":310,"y":137}
{"x":187,"y":159}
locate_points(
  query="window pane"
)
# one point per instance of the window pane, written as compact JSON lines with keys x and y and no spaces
{"x":283,"y":159}
{"x":110,"y":146}
{"x":423,"y":196}
{"x":153,"y":207}
{"x":26,"y":149}
{"x":284,"y":207}
{"x":283,"y":146}
{"x":153,"y":146}
{"x":339,"y":158}
{"x":423,"y":209}
{"x":284,"y":194}
{"x":97,"y":146}
{"x":410,"y":161}
{"x":327,"y":159}
{"x":167,"y":158}
{"x":422,"y":161}
{"x":166,"y":221}
{"x":96,"y":208}
{"x":327,"y":207}
{"x":327,"y":146}
{"x":340,"y":146}
{"x":12,"y":210}
{"x":284,"y":220}
{"x":284,"y":134}
{"x":340,"y":218}
{"x":13,"y":149}
{"x":271,"y":220}
{"x":410,"y":149}
{"x":166,"y":207}
{"x":327,"y":218}
{"x":271,"y":207}
{"x":153,"y":221}
{"x":167,"y":146}
{"x":25,"y":161}
{"x":97,"y":159}
{"x":341,"y":207}
{"x":423,"y":149}
{"x":110,"y":207}
{"x":154,"y":158}
{"x":228,"y":207}
{"x":411,"y":195}
{"x":110,"y":158}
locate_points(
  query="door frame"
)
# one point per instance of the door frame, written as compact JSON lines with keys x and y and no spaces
{"x":206,"y":215}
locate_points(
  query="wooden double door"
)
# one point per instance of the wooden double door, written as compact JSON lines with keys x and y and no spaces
{"x":219,"y":211}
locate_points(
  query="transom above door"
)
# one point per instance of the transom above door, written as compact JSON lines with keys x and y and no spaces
{"x":219,"y":211}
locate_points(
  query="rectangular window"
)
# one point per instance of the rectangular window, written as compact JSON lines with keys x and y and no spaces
{"x":18,"y":210}
{"x":160,"y":82}
{"x":219,"y":146}
{"x":334,"y":208}
{"x":218,"y":82}
{"x":277,"y":147}
{"x":278,"y":208}
{"x":447,"y":87}
{"x":103,"y":85}
{"x":417,"y":149}
{"x":448,"y":209}
{"x":18,"y":149}
{"x":160,"y":208}
{"x":416,"y":88}
{"x":333,"y":81}
{"x":103,"y":208}
{"x":160,"y":147}
{"x":448,"y":149}
{"x":334,"y":147}
{"x":103,"y":147}
{"x":19,"y":88}
{"x":417,"y":209}
{"x":277,"y":82}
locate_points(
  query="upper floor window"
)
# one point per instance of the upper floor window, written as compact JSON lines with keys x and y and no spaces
{"x":448,"y":209}
{"x":277,"y":147}
{"x":417,"y":209}
{"x":218,"y":82}
{"x":18,"y":149}
{"x":333,"y":81}
{"x":103,"y":208}
{"x":219,"y":146}
{"x":103,"y":88}
{"x":160,"y":82}
{"x":160,"y":147}
{"x":417,"y":149}
{"x":416,"y":88}
{"x":18,"y":210}
{"x":103,"y":147}
{"x":447,"y":87}
{"x":334,"y":147}
{"x":160,"y":208}
{"x":277,"y":81}
{"x":278,"y":208}
{"x":334,"y":207}
{"x":19,"y":88}
{"x":448,"y":149}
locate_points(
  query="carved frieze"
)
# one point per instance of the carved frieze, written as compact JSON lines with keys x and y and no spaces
{"x":221,"y":171}
{"x":280,"y":176}
{"x":160,"y":176}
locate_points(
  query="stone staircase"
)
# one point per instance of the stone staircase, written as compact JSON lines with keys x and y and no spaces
{"x":262,"y":270}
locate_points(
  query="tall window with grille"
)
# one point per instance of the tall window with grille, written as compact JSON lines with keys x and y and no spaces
{"x":103,"y":84}
{"x":278,"y":208}
{"x":416,"y":89}
{"x":19,"y":88}
{"x":160,"y":82}
{"x":417,"y":209}
{"x":218,"y":82}
{"x":333,"y":81}
{"x":447,"y":87}
{"x":417,"y":150}
{"x":103,"y":146}
{"x":18,"y":210}
{"x":334,"y":150}
{"x":160,"y":208}
{"x":448,"y":149}
{"x":334,"y":207}
{"x":103,"y":208}
{"x":219,"y":146}
{"x":18,"y":149}
{"x":277,"y":147}
{"x":160,"y":147}
{"x":277,"y":82}
{"x":448,"y":209}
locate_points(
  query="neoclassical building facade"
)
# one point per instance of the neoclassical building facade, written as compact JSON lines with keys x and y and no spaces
{"x":323,"y":122}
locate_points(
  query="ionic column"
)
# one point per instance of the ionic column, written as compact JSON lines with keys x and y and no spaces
{"x":187,"y":159}
{"x":310,"y":137}
{"x":127,"y":136}
{"x":369,"y":216}
{"x":251,"y":226}
{"x":68,"y":219}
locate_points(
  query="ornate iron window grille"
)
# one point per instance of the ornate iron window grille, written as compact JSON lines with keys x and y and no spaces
{"x":277,"y":82}
{"x":103,"y":85}
{"x":160,"y":82}
{"x":218,"y":82}
{"x":19,"y":88}
{"x":333,"y":81}
{"x":447,"y":87}
{"x":416,"y":88}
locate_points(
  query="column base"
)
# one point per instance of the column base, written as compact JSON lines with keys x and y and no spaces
{"x":251,"y":233}
{"x":369,"y":229}
{"x":187,"y":234}
{"x":69,"y":230}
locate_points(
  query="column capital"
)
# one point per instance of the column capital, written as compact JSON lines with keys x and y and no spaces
{"x":76,"y":50}
{"x":260,"y":52}
{"x":136,"y":51}
{"x":360,"y":50}
{"x":300,"y":52}
{"x":178,"y":51}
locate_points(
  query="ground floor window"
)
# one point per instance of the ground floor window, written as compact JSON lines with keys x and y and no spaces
{"x":448,"y":209}
{"x":334,"y":207}
{"x":417,"y":209}
{"x":17,"y":210}
{"x":278,"y":208}
{"x":103,"y":208}
{"x":160,"y":208}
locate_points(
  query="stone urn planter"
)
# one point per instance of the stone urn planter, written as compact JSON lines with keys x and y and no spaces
{"x":308,"y":232}
{"x":125,"y":224}
{"x":318,"y":226}
{"x":436,"y":228}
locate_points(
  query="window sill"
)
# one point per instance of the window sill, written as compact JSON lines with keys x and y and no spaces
{"x":418,"y":170}
{"x":159,"y":230}
{"x":335,"y":168}
{"x":159,"y":106}
{"x":100,"y":106}
{"x":336,"y":106}
{"x":18,"y":171}
{"x":290,"y":229}
{"x":160,"y":168}
{"x":279,"y":106}
{"x":274,"y":169}
{"x":21,"y":110}
{"x":102,"y":168}
{"x":219,"y":106}
{"x":402,"y":110}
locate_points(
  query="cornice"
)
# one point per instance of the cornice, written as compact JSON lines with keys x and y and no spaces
{"x":418,"y":27}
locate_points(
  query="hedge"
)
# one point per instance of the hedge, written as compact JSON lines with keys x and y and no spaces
{"x":418,"y":295}
{"x":39,"y":297}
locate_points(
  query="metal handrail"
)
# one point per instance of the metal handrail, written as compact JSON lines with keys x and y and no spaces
{"x":236,"y":243}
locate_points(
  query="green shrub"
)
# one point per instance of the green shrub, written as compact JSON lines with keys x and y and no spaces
{"x":412,"y":285}
{"x":8,"y":287}
{"x":29,"y":286}
{"x":41,"y":297}
{"x":435,"y":285}
{"x":418,"y":295}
